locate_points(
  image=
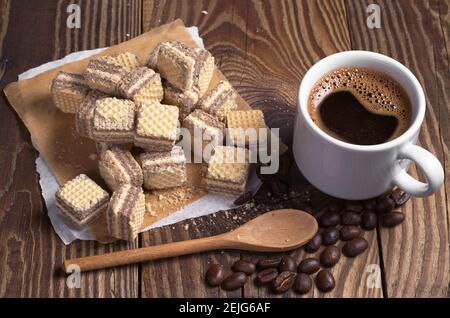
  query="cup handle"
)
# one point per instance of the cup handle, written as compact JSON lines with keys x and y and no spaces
{"x":430,"y":166}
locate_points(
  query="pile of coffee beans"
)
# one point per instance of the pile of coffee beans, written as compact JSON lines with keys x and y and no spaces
{"x":339,"y":220}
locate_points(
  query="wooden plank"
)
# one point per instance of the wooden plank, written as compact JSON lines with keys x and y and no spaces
{"x":222,"y":28}
{"x":30,"y":251}
{"x":416,"y":254}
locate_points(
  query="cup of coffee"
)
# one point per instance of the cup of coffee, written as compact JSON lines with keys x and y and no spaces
{"x":358,"y":119}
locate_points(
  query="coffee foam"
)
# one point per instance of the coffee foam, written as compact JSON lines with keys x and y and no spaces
{"x":376,"y":91}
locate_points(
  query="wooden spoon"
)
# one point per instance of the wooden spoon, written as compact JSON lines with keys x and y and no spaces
{"x":275,"y":231}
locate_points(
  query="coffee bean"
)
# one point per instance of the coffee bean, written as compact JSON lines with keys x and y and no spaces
{"x":313,"y":245}
{"x":369,"y":220}
{"x":244,"y":266}
{"x":268,"y":263}
{"x":215,"y":275}
{"x":329,"y":219}
{"x":325,"y":281}
{"x":277,"y":188}
{"x":350,"y":218}
{"x":234,"y":281}
{"x":266,"y":276}
{"x":385,"y":205}
{"x":302,"y":284}
{"x":287,"y":264}
{"x":330,"y":236}
{"x":400,"y":197}
{"x":354,"y":206}
{"x":330,"y":256}
{"x":335,"y":206}
{"x":349,"y":232}
{"x":263,"y":194}
{"x":284,"y":282}
{"x":355,"y":247}
{"x":391,"y":219}
{"x":244,"y":198}
{"x":308,"y":266}
{"x":370,"y":204}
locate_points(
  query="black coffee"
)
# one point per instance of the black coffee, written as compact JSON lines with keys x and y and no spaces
{"x":360,"y":106}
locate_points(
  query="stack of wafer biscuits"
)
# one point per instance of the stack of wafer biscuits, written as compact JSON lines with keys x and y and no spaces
{"x":120,"y":103}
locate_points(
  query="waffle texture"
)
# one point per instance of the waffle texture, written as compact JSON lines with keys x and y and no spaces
{"x":219,"y":101}
{"x":205,"y":70}
{"x":157,"y":126}
{"x":117,"y":167}
{"x":84,"y":118}
{"x":141,"y":85}
{"x":164,"y":169}
{"x":241,"y":120}
{"x":125,"y":212}
{"x":68,"y":91}
{"x":81,"y":200}
{"x":228,"y":170}
{"x":104,"y":74}
{"x":126,"y":59}
{"x":114,"y":120}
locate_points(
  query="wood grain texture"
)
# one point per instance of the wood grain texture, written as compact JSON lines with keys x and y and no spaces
{"x":30,"y":252}
{"x":416,"y":254}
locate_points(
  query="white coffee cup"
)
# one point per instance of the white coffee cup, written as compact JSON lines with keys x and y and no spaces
{"x":357,"y":172}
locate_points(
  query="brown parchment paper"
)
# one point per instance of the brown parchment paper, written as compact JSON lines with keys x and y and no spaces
{"x":67,"y":154}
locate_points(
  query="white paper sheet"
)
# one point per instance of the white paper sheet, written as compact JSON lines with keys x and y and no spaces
{"x":208,"y":204}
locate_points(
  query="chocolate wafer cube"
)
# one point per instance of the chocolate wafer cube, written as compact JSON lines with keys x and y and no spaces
{"x":81,"y":200}
{"x":164,"y":169}
{"x":184,"y":100}
{"x":68,"y":91}
{"x":104,"y":74}
{"x":125,"y":212}
{"x":182,"y":66}
{"x":228,"y":170}
{"x":157,"y":126}
{"x":243,"y":126}
{"x":219,"y":101}
{"x":210,"y":130}
{"x":141,"y":84}
{"x":84,"y":118}
{"x":117,"y":167}
{"x":114,"y":120}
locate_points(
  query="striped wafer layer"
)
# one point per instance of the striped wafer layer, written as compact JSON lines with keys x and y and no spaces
{"x":104,"y":74}
{"x":84,"y":118}
{"x":125,"y":212}
{"x":184,"y":100}
{"x":117,"y":167}
{"x":141,"y":84}
{"x":164,"y":169}
{"x":219,"y":101}
{"x":81,"y":200}
{"x":68,"y":91}
{"x":126,"y":59}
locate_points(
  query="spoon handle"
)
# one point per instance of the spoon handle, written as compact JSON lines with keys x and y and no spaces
{"x":143,"y":254}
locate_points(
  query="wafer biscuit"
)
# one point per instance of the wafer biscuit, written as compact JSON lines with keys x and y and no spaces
{"x":243,"y":126}
{"x":184,"y":100}
{"x":141,"y":84}
{"x":228,"y":170}
{"x":84,"y":118}
{"x":126,"y":59}
{"x":117,"y":167}
{"x":157,"y":126}
{"x":164,"y":169}
{"x":210,"y":130}
{"x":81,"y":200}
{"x":182,"y":66}
{"x":68,"y":91}
{"x":104,"y":74}
{"x":219,"y":101}
{"x":113,"y":120}
{"x":125,"y":212}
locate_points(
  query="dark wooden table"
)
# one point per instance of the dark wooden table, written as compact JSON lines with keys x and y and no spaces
{"x":264,"y":48}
